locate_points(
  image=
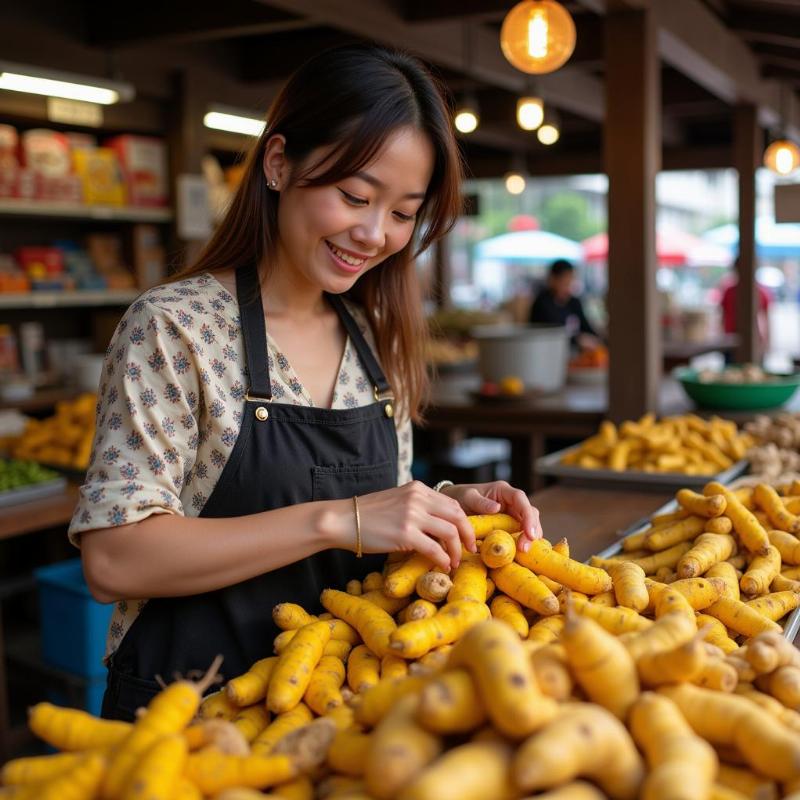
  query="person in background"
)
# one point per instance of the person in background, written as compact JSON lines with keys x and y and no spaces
{"x":728,"y":303}
{"x":556,"y":304}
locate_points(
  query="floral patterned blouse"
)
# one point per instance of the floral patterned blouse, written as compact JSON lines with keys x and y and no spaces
{"x":170,"y":408}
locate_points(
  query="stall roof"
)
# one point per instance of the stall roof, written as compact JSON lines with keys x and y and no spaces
{"x":714,"y":54}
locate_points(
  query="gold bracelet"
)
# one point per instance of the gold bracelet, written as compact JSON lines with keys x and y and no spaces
{"x":358,"y":527}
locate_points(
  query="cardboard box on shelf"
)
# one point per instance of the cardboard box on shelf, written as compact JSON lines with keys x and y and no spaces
{"x":143,"y":160}
{"x":46,"y":152}
{"x":9,"y":144}
{"x":100,"y":176}
{"x":149,"y":259}
{"x":105,"y":252}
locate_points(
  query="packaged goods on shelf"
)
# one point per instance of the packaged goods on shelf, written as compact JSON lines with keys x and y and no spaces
{"x":149,"y":257}
{"x":46,"y":152}
{"x":143,"y":161}
{"x":9,"y":143}
{"x":100,"y":176}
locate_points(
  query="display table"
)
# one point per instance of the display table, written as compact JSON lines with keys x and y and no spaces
{"x":573,"y":412}
{"x":592,"y":519}
{"x":37,"y":515}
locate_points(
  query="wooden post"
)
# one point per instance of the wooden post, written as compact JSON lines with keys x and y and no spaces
{"x":632,"y":154}
{"x":746,"y":156}
{"x":187,"y":146}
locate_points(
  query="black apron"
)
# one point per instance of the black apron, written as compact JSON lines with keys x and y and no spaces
{"x":285,"y":454}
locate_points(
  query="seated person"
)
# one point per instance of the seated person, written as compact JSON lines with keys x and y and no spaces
{"x":557,"y":304}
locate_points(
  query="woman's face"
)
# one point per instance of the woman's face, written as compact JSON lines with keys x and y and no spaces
{"x":331,"y":235}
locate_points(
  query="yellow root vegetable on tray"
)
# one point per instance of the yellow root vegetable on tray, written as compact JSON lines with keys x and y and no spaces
{"x":682,"y":765}
{"x":685,"y":444}
{"x":601,"y":664}
{"x":542,"y":559}
{"x":450,"y":704}
{"x":440,"y":691}
{"x":606,"y":754}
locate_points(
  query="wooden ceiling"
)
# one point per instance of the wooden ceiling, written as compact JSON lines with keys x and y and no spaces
{"x":714,"y":54}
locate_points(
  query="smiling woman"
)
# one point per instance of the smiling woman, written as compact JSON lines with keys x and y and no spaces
{"x":254,"y":422}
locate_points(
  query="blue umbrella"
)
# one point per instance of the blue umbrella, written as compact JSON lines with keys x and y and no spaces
{"x":773,"y":239}
{"x":531,"y":247}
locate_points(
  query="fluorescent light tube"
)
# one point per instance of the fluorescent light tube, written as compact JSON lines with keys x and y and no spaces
{"x":52,"y":83}
{"x":233,"y":122}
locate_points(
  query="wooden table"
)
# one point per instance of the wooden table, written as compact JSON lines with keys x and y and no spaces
{"x":49,"y":512}
{"x":675,"y":354}
{"x":592,"y":519}
{"x":573,"y":412}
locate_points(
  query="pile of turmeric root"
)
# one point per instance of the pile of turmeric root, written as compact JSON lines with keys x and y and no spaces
{"x":660,"y":672}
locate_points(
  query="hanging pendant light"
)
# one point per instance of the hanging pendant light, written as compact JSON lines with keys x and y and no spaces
{"x":538,"y":36}
{"x":515,"y":183}
{"x":782,"y":156}
{"x":467,"y":117}
{"x":530,"y":113}
{"x":549,"y":131}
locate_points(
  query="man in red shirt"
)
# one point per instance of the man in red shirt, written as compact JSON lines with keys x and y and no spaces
{"x":728,"y":303}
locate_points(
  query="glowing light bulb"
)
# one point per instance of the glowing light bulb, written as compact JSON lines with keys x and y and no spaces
{"x":466,"y":120}
{"x":782,"y":156}
{"x":537,"y":36}
{"x":515,"y":183}
{"x":548,"y":133}
{"x":530,"y":113}
{"x":537,"y":33}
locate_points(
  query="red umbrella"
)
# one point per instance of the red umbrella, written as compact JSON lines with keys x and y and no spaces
{"x":672,"y":246}
{"x":523,"y":222}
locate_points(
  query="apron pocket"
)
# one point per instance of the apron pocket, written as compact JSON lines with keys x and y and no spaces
{"x":339,"y":482}
{"x":125,"y":694}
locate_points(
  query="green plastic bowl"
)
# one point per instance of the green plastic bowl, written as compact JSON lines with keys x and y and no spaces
{"x":739,"y":396}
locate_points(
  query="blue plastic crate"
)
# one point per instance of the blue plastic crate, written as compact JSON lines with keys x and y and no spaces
{"x":90,"y":696}
{"x":73,"y":623}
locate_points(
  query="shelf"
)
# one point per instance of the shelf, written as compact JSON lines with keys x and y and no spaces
{"x":95,"y":298}
{"x":36,"y":208}
{"x":41,"y":400}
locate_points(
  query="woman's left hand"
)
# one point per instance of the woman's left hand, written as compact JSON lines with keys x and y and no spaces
{"x":495,"y":497}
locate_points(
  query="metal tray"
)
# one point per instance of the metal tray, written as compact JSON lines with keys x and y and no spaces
{"x":792,"y":620}
{"x":630,"y":479}
{"x":36,"y":491}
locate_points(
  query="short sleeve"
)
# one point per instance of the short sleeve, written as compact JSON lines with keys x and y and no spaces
{"x":147,"y":434}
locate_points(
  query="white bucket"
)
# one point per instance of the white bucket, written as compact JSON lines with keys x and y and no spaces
{"x":537,"y":354}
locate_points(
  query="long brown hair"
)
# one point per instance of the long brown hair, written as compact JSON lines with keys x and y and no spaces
{"x":353,"y":98}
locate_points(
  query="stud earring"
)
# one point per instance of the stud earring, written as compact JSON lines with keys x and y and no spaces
{"x":273,"y":184}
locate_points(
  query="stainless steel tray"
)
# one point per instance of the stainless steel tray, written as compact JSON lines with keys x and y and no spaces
{"x":792,"y":621}
{"x":630,"y":479}
{"x":36,"y":491}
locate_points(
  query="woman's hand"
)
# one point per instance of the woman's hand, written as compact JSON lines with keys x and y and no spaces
{"x":414,"y":517}
{"x":495,"y":497}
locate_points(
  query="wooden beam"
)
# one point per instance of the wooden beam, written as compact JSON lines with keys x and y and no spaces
{"x":442,"y":43}
{"x":425,"y":11}
{"x":692,"y":40}
{"x":114,"y":24}
{"x":765,"y":26}
{"x":747,"y":148}
{"x":632,"y":156}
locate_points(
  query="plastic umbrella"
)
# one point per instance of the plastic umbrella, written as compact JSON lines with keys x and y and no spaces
{"x":531,"y":247}
{"x":773,"y":239}
{"x":672,"y":246}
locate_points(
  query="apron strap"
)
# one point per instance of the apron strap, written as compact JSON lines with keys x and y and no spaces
{"x":380,"y":385}
{"x":254,"y":332}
